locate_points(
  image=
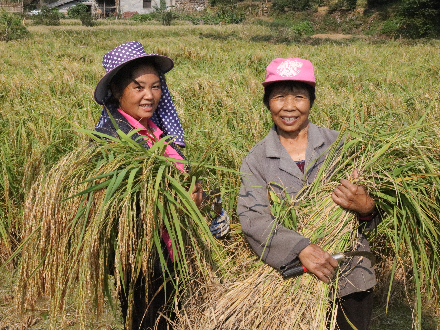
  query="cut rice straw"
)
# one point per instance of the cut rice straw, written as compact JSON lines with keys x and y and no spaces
{"x":401,"y":176}
{"x":100,"y":212}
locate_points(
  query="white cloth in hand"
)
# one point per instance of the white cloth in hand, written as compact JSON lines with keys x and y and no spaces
{"x":220,"y":225}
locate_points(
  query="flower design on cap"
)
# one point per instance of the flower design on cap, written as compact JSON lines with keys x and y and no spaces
{"x":289,"y":68}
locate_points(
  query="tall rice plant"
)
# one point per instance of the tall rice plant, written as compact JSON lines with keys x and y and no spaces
{"x":100,"y":211}
{"x":401,"y":171}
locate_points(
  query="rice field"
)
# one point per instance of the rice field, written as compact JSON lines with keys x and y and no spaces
{"x":46,"y":95}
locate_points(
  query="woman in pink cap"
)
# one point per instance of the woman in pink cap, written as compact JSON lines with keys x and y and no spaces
{"x":290,"y":157}
{"x":134,"y":92}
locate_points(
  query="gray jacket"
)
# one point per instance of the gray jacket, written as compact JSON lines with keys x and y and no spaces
{"x":269,"y":162}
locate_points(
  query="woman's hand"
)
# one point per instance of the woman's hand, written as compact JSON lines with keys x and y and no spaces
{"x":353,"y":197}
{"x":318,"y":262}
{"x":197,"y":194}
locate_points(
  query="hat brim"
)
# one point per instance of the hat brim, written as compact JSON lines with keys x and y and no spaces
{"x":267,"y":83}
{"x":163,"y":63}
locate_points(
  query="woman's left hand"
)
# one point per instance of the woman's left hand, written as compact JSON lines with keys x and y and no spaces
{"x":353,"y":197}
{"x":197,"y":194}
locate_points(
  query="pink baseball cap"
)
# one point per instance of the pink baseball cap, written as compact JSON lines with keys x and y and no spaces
{"x":297,"y":69}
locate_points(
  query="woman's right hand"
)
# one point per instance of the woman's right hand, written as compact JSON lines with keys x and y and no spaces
{"x":353,"y":197}
{"x":197,"y":194}
{"x":318,"y":262}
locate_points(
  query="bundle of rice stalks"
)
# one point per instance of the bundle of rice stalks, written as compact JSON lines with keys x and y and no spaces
{"x":403,"y":177}
{"x":101,"y":211}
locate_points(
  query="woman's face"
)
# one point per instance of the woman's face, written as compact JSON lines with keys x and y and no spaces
{"x":141,"y":96}
{"x":289,"y":107}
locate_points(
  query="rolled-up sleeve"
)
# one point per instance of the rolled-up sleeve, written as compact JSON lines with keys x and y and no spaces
{"x":274,"y":243}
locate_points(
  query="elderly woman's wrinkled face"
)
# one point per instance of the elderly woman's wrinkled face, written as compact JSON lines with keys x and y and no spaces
{"x":290,"y":107}
{"x":141,"y":96}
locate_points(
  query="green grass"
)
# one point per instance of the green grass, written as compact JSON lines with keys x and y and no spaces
{"x":47,"y":84}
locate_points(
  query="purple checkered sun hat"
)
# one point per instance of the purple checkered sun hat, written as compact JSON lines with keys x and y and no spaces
{"x":165,"y":116}
{"x":120,"y":56}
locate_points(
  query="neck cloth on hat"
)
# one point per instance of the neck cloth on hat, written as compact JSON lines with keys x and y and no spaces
{"x":165,"y":116}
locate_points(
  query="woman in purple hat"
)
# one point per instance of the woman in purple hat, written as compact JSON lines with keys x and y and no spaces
{"x":290,"y":156}
{"x":135,"y":93}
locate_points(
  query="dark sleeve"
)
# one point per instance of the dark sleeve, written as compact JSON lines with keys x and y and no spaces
{"x":274,"y":243}
{"x":176,"y":147}
{"x":107,"y":130}
{"x":124,"y":126}
{"x":373,"y":223}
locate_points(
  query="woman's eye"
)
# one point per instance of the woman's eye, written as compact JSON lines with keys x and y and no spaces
{"x":278,"y":97}
{"x":156,"y":86}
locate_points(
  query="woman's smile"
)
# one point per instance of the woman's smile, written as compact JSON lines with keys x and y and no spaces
{"x":147,"y":107}
{"x":141,"y":96}
{"x":290,"y":109}
{"x":289,"y":120}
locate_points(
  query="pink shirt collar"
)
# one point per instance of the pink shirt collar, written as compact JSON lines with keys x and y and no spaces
{"x":169,"y":151}
{"x":137,"y":125}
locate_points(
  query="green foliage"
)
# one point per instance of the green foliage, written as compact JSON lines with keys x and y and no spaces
{"x":77,"y":11}
{"x":167,"y":17}
{"x":343,"y":4}
{"x":295,"y":5}
{"x":48,"y":16}
{"x":208,"y":18}
{"x":351,"y":4}
{"x":303,"y":28}
{"x":81,"y":12}
{"x":380,"y":3}
{"x":164,"y":13}
{"x":11,"y":27}
{"x":144,"y":17}
{"x":391,"y":27}
{"x":420,"y":18}
{"x":284,"y":30}
{"x":224,"y":15}
{"x":224,"y":3}
{"x":230,"y":15}
{"x":87,"y":19}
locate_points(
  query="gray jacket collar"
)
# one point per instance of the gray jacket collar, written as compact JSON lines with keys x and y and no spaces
{"x":274,"y":149}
